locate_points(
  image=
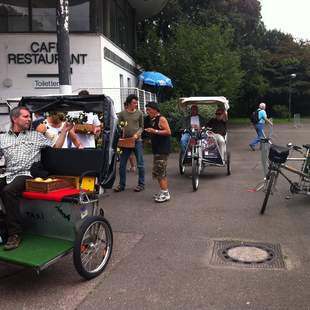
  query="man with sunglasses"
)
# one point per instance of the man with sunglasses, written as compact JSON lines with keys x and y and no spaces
{"x":219,"y":128}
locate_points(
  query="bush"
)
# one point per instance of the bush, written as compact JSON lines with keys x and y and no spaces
{"x":174,"y":115}
{"x":280,"y":111}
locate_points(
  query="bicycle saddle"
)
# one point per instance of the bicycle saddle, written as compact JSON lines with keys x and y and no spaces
{"x":306,"y":146}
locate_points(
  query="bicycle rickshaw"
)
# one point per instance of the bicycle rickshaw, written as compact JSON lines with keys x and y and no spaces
{"x":202,"y":149}
{"x":70,"y":220}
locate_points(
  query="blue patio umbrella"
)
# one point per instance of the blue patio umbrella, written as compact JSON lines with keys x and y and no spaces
{"x":154,"y":78}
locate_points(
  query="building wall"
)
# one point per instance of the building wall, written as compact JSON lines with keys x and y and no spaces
{"x":90,"y":68}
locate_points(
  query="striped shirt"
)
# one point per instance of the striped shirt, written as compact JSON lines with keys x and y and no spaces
{"x":21,"y":151}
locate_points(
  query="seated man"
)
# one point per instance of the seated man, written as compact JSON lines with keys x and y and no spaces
{"x":192,"y":121}
{"x":21,"y":148}
{"x":218,"y":127}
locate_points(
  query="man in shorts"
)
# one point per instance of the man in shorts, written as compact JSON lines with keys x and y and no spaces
{"x":158,"y":128}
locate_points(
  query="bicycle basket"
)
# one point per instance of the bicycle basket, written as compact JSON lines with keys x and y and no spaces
{"x":278,"y":154}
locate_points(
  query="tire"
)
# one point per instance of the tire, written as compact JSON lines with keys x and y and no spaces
{"x":294,"y":188}
{"x":87,"y":243}
{"x":181,"y":165}
{"x":228,"y":163}
{"x":268,"y":191}
{"x":195,"y":174}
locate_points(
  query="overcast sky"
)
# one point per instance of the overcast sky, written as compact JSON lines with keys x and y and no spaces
{"x":289,"y":16}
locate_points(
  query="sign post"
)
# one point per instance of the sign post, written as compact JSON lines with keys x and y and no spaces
{"x":63,"y":46}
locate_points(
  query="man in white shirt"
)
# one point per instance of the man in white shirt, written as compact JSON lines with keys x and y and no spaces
{"x":87,"y":140}
{"x":193,"y":121}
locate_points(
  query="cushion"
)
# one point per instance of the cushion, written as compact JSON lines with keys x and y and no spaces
{"x":58,"y":195}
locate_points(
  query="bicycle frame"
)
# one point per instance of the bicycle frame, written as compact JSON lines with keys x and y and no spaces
{"x":303,"y":185}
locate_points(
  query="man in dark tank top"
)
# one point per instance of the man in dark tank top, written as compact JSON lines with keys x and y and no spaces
{"x":158,"y":128}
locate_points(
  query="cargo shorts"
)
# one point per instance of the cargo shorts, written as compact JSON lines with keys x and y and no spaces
{"x":160,"y":166}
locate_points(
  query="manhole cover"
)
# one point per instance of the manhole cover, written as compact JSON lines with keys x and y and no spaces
{"x":247,"y":254}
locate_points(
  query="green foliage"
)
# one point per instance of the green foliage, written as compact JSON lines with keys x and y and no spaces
{"x":221,"y":47}
{"x":174,"y":115}
{"x":280,"y":111}
{"x":200,"y":62}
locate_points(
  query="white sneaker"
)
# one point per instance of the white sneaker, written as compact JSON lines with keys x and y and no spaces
{"x":162,"y":197}
{"x":156,"y":195}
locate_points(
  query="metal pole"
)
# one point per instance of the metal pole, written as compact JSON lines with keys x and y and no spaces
{"x":289,"y":98}
{"x":63,"y":46}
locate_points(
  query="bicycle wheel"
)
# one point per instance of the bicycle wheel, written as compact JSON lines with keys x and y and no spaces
{"x":195,"y":173}
{"x":93,"y":247}
{"x":181,"y":164}
{"x":228,"y":163}
{"x":270,"y":182}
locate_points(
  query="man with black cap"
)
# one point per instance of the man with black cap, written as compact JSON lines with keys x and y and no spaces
{"x":158,"y":127}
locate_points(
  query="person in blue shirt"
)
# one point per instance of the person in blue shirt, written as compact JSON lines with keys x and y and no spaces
{"x":259,"y":127}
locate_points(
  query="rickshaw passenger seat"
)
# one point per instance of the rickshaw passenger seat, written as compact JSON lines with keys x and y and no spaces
{"x":68,"y":162}
{"x":72,"y":161}
{"x":61,"y":195}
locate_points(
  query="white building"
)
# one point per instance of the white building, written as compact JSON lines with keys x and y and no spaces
{"x":102,"y":40}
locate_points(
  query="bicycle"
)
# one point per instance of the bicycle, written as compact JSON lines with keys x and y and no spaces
{"x":278,"y":156}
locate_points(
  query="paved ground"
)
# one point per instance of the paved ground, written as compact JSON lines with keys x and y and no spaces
{"x":162,"y":252}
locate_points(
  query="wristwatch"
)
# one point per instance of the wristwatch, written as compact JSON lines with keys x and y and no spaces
{"x":156,"y":131}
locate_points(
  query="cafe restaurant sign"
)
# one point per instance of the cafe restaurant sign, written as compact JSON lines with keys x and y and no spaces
{"x":42,"y":53}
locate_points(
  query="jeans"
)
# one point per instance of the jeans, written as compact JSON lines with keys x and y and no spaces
{"x":259,"y":127}
{"x":11,"y":195}
{"x":138,"y":150}
{"x":184,"y":141}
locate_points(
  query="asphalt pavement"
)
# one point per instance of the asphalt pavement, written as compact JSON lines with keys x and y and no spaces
{"x":162,"y":252}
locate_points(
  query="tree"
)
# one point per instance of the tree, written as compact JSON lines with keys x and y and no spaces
{"x":200,"y":62}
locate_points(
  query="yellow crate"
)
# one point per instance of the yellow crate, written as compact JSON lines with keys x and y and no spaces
{"x":88,"y":183}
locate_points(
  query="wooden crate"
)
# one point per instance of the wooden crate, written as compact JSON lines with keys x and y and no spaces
{"x":127,"y":143}
{"x":88,"y":183}
{"x":46,"y":187}
{"x":87,"y":129}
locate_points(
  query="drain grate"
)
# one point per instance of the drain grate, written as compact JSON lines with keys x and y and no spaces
{"x":247,"y":254}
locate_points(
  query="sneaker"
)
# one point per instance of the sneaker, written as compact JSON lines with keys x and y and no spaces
{"x":12,"y":243}
{"x":252,"y":147}
{"x":156,"y":195}
{"x":162,"y":197}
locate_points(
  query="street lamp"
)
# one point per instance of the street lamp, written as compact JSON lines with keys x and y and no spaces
{"x":292,"y":76}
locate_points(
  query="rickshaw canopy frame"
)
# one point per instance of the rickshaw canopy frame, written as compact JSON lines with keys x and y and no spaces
{"x":220,"y":101}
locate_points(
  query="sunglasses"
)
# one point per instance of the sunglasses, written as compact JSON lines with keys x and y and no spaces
{"x":218,"y":113}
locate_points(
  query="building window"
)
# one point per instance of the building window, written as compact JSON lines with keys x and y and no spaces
{"x":43,"y":15}
{"x":122,"y":24}
{"x":79,"y":15}
{"x":14,"y":16}
{"x":114,"y":18}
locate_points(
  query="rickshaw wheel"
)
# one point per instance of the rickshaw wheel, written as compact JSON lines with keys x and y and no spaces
{"x":93,"y":247}
{"x":195,"y":173}
{"x":181,"y":165}
{"x":228,"y":163}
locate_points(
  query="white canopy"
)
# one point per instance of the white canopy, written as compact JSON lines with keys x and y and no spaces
{"x":220,"y":101}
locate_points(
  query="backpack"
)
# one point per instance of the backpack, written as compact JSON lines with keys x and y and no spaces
{"x":254,"y":117}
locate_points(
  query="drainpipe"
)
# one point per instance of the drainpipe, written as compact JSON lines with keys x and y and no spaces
{"x":63,"y":46}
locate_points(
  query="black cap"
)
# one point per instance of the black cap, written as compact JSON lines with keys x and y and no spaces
{"x":154,"y":105}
